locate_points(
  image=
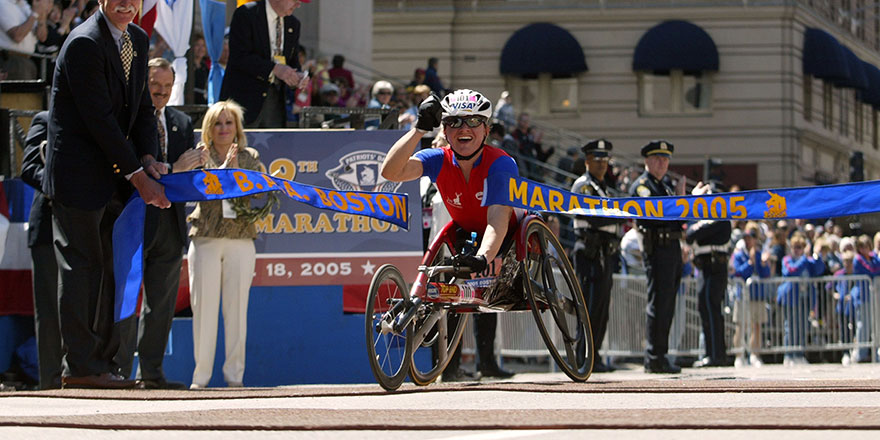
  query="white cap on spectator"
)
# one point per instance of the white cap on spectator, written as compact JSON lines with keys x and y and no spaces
{"x":382,"y":85}
{"x":330,"y":88}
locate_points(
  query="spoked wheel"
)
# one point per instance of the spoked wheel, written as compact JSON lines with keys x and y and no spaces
{"x":388,"y":350}
{"x":557,"y":302}
{"x":438,"y":328}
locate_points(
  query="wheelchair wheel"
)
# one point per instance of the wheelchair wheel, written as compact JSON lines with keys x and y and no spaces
{"x":557,"y":302}
{"x":436,"y":327}
{"x":388,"y":350}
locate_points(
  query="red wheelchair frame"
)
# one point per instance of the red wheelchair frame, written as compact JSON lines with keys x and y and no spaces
{"x":433,"y":311}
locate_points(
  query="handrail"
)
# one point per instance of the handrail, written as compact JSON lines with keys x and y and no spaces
{"x":17,"y":133}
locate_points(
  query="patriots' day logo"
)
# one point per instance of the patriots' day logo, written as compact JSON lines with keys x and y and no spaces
{"x":359,"y":171}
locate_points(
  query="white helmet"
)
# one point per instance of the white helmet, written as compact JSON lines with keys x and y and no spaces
{"x":466,"y":102}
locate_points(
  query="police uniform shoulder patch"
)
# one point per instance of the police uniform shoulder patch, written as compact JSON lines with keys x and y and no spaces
{"x":643,"y":191}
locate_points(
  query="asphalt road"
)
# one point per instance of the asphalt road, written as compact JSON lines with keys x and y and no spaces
{"x":803,"y":402}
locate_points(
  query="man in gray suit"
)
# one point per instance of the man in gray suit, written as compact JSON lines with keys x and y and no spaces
{"x":164,"y":240}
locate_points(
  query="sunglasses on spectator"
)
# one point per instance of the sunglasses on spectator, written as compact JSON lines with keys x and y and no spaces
{"x":471,"y":121}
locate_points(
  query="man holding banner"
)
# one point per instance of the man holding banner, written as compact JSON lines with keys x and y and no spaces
{"x":102,"y":140}
{"x":662,"y":250}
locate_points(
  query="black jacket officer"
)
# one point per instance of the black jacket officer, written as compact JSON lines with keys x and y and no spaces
{"x":663,"y":265}
{"x":597,"y":249}
{"x":711,"y":254}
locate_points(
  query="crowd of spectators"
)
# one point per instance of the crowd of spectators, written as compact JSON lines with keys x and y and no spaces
{"x":36,"y":28}
{"x":799,"y":250}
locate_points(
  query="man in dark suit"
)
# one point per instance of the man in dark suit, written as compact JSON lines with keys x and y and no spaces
{"x":45,"y":271}
{"x":164,"y":240}
{"x":102,"y":140}
{"x":262,"y":66}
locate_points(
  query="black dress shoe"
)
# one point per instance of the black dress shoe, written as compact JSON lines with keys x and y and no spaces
{"x":460,"y":375}
{"x":495,"y":371}
{"x":601,"y":367}
{"x":98,"y":381}
{"x":161,"y":384}
{"x":661,"y":366}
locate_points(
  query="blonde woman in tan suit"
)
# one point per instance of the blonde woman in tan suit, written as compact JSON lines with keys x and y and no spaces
{"x":221,"y":254}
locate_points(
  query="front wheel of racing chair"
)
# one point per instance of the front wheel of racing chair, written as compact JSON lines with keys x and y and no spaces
{"x":387,"y":347}
{"x":437,"y":326}
{"x":556,"y":300}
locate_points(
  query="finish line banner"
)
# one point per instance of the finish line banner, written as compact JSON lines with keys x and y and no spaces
{"x":215,"y":184}
{"x":200,"y":185}
{"x":786,"y":203}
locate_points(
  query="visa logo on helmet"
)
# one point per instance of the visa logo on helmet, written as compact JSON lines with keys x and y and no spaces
{"x":463,"y":105}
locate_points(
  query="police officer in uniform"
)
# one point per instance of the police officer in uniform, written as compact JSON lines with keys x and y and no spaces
{"x":711,"y":254}
{"x":597,"y":249}
{"x":662,"y":251}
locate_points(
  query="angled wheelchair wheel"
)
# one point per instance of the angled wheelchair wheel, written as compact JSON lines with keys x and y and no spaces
{"x":557,"y":302}
{"x":437,"y":327}
{"x":387,"y":348}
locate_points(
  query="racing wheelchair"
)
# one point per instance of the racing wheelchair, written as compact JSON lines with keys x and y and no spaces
{"x":431,"y":313}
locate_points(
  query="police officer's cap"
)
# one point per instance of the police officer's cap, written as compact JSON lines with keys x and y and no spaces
{"x":658,"y":147}
{"x":598,"y":148}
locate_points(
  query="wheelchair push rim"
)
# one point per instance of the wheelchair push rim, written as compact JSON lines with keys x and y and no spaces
{"x":388,"y":351}
{"x":431,"y":330}
{"x":556,"y":301}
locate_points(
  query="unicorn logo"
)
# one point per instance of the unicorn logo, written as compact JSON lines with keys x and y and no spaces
{"x":359,"y":171}
{"x":456,"y":201}
{"x":775,"y":206}
{"x":212,"y":183}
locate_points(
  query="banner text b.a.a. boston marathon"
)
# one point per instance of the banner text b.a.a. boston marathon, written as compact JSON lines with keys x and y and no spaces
{"x":803,"y":203}
{"x":216,"y":184}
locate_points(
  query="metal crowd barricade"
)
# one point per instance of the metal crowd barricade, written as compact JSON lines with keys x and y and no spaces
{"x":813,"y":315}
{"x":822,"y":314}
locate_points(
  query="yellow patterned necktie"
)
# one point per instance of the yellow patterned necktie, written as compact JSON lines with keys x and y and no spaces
{"x":279,"y":36}
{"x":126,"y":53}
{"x":163,"y":148}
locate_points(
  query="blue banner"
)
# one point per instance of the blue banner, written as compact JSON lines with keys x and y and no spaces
{"x":357,"y":170}
{"x":128,"y":257}
{"x":803,"y":203}
{"x":215,"y":184}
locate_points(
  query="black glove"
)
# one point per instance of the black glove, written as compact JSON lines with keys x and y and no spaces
{"x":474,"y":263}
{"x":429,"y":113}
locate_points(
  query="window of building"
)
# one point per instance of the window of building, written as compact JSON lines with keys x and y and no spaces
{"x":844,"y":98}
{"x":858,"y":119}
{"x":545,"y":94}
{"x":808,"y":97}
{"x":674,"y":93}
{"x":875,"y":139}
{"x":827,"y":105}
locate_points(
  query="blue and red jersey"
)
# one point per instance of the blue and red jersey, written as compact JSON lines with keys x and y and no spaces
{"x":463,"y":198}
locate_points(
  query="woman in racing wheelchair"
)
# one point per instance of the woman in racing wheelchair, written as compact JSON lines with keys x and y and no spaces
{"x":459,"y":171}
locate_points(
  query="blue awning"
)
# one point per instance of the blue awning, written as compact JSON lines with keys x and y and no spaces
{"x":871,"y":95}
{"x":676,"y":45}
{"x":824,"y":57}
{"x":857,"y":78}
{"x":542,"y":48}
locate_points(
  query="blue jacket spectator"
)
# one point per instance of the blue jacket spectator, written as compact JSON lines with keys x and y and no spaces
{"x":797,"y":265}
{"x":743,"y":268}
